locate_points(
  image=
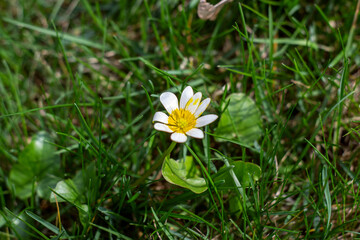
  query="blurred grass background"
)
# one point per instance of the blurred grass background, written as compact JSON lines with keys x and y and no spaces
{"x":89,"y":73}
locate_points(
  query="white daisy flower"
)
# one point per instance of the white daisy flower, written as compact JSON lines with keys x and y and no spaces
{"x":183,"y":120}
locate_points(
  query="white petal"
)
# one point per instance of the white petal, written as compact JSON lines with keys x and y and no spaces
{"x":162,"y":127}
{"x":193,"y":102}
{"x":195,"y":133}
{"x":205,"y":120}
{"x":170,"y":101}
{"x":185,"y":96}
{"x":203,"y":105}
{"x":160,"y":117}
{"x":178,"y":137}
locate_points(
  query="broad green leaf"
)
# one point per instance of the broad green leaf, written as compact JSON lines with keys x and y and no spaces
{"x":65,"y":190}
{"x":39,"y":155}
{"x":46,"y":184}
{"x":22,"y":179}
{"x":19,"y":227}
{"x":36,"y":162}
{"x":184,"y":174}
{"x":235,"y":206}
{"x":2,"y":221}
{"x":84,"y":214}
{"x":244,"y":171}
{"x":84,"y":177}
{"x":240,"y":120}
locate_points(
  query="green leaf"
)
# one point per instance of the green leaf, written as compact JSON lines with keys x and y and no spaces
{"x":46,"y":184}
{"x":84,"y":214}
{"x":240,"y":120}
{"x":84,"y":177}
{"x":2,"y":221}
{"x":235,"y":206}
{"x":19,"y":226}
{"x":35,"y":163}
{"x":244,"y":171}
{"x":21,"y":178}
{"x":184,"y":174}
{"x":65,"y":191}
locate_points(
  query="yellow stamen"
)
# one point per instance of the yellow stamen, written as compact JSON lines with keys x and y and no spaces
{"x":181,"y":121}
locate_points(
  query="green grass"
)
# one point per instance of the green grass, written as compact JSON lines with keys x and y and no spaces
{"x":90,"y":74}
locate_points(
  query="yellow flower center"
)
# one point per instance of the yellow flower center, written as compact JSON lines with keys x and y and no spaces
{"x":181,"y":121}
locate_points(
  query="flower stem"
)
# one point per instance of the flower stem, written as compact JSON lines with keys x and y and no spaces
{"x":155,"y":166}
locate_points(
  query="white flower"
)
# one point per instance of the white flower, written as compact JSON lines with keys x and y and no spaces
{"x":183,"y":120}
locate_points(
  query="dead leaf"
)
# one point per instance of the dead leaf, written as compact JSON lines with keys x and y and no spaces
{"x":207,"y":11}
